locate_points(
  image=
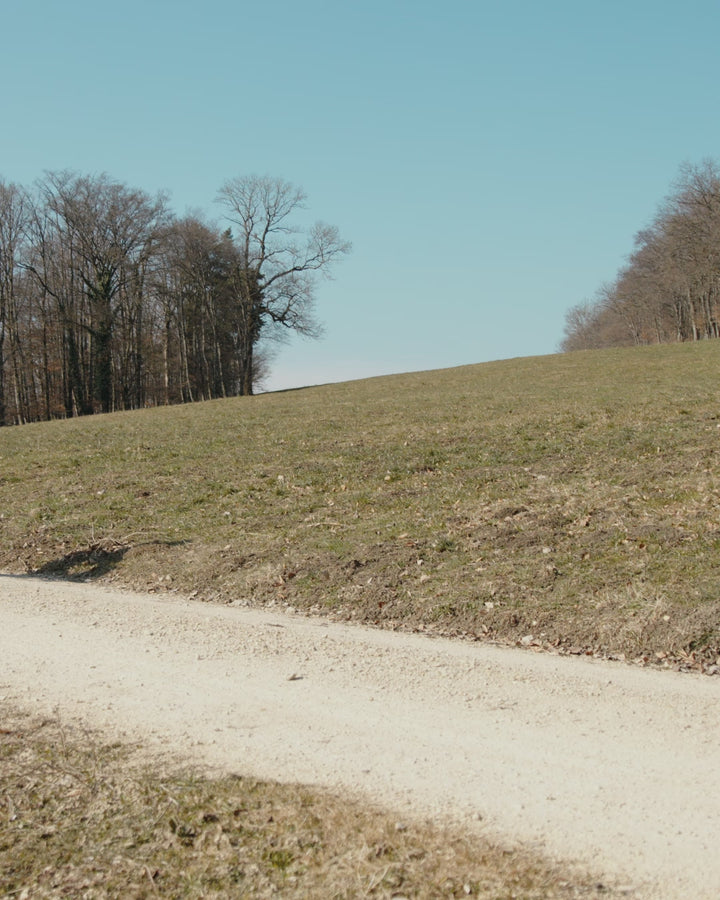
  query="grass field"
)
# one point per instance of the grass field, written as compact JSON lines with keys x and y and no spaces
{"x":567,"y":502}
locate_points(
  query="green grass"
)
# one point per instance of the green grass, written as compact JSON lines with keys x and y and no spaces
{"x":570,"y":498}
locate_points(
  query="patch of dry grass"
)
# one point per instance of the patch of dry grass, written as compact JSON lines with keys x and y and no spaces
{"x":568,"y":502}
{"x":79,"y":818}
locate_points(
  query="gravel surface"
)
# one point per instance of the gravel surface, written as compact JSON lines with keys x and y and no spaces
{"x":612,"y":766}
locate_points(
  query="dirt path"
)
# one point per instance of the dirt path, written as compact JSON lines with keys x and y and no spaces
{"x":614,"y":766}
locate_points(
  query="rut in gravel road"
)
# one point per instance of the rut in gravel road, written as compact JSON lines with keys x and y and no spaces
{"x":612,"y":766}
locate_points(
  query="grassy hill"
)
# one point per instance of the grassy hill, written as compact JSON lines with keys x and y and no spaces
{"x":569,"y":502}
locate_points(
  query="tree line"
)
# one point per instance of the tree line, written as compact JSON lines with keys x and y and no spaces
{"x":110,"y":301}
{"x":669,"y":290}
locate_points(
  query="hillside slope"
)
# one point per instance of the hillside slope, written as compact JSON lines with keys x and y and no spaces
{"x":567,"y":502}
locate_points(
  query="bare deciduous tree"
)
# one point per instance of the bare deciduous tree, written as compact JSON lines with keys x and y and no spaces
{"x":197,"y":297}
{"x":276,"y":279}
{"x":109,"y":231}
{"x":109,"y":302}
{"x":13,"y":218}
{"x":670,"y":288}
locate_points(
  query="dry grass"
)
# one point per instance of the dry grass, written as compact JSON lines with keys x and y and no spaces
{"x":566,"y":502}
{"x":562,"y":502}
{"x":83,"y":819}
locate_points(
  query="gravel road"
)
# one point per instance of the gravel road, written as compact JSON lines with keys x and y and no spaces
{"x":612,"y":766}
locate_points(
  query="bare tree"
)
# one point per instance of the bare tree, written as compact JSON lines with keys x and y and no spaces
{"x":107,"y":301}
{"x":670,"y":288}
{"x":275,"y":281}
{"x":196,"y":291}
{"x":94,"y":237}
{"x":13,"y":220}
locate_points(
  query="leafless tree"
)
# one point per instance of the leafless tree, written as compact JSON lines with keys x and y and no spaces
{"x":93,"y":240}
{"x":107,"y":301}
{"x":196,"y":291}
{"x":13,"y":221}
{"x":670,"y":288}
{"x":275,"y":282}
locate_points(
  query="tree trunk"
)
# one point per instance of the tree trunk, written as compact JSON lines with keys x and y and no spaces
{"x":2,"y":377}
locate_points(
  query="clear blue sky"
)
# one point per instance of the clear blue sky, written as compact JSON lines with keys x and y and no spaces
{"x":490,"y":162}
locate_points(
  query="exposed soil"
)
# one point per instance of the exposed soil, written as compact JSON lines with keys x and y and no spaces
{"x":611,"y":766}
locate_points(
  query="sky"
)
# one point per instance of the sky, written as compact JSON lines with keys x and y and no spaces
{"x":490,"y":162}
